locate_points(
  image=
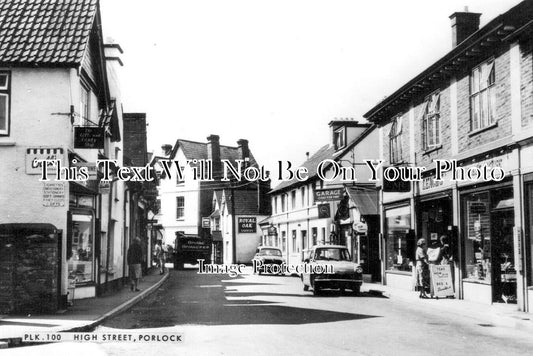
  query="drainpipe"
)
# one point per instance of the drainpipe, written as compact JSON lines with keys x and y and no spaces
{"x":233,"y":234}
{"x":125,"y":248}
{"x":109,"y":226}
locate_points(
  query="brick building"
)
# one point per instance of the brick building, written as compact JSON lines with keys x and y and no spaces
{"x":474,"y":106}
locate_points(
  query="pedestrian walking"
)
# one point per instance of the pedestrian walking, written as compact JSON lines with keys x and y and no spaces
{"x":161,"y":256}
{"x":422,"y":268}
{"x":134,"y":263}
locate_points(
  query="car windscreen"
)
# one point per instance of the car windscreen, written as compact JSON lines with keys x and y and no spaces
{"x":270,"y":252}
{"x":332,"y":254}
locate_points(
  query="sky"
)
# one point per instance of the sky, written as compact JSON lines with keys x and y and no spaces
{"x":275,"y":72}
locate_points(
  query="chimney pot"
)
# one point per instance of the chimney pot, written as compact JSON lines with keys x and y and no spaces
{"x":244,"y":150}
{"x":463,"y":25}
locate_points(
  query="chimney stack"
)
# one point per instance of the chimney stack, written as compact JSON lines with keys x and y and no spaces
{"x":213,"y":154}
{"x":244,"y":151}
{"x":166,"y":149}
{"x":463,"y":25}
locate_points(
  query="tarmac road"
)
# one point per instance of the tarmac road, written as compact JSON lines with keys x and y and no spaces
{"x":272,"y":315}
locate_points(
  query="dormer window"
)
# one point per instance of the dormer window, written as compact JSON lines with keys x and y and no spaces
{"x":339,"y":138}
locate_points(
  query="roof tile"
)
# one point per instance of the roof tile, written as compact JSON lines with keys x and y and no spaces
{"x":30,"y":30}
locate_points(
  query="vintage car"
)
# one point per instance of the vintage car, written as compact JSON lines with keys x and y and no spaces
{"x":345,"y":274}
{"x":267,"y":255}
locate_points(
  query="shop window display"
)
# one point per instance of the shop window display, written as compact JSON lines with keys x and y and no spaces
{"x":80,"y":265}
{"x":401,"y":242}
{"x":489,"y":250}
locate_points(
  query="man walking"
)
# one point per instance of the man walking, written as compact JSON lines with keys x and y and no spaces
{"x":160,"y":256}
{"x":134,"y":262}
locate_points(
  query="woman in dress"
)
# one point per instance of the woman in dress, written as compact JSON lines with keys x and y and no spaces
{"x":422,"y":268}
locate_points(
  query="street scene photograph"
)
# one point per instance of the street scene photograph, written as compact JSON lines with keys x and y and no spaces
{"x":237,"y":177}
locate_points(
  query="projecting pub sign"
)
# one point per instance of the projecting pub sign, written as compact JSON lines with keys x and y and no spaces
{"x":247,"y":225}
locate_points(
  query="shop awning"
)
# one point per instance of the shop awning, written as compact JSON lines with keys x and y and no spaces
{"x":504,"y":204}
{"x":366,"y":200}
{"x":216,"y":235}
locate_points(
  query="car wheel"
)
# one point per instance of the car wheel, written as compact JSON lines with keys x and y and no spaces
{"x":306,"y":287}
{"x":356,"y":290}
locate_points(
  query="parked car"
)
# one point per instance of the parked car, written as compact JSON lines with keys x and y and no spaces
{"x":346,"y":274}
{"x":268,"y":256}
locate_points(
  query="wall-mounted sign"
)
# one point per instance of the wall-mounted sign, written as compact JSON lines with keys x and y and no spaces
{"x":360,"y":227}
{"x":272,"y":231}
{"x":396,"y":186}
{"x":104,"y":187}
{"x":206,"y":223}
{"x":88,"y":137}
{"x":329,"y":194}
{"x":91,"y":169}
{"x":54,"y":194}
{"x":33,"y":155}
{"x":324,"y":211}
{"x":246,"y":225}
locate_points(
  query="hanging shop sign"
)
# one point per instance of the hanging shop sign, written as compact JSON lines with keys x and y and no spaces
{"x":322,"y":195}
{"x":246,"y":225}
{"x":88,"y":137}
{"x":206,"y":223}
{"x":272,"y":231}
{"x":54,"y":194}
{"x":324,"y":211}
{"x":35,"y":155}
{"x":104,"y":187}
{"x":441,"y":280}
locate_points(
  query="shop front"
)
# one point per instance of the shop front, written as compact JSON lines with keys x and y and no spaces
{"x":400,"y":246}
{"x":528,"y":198}
{"x":82,"y":241}
{"x":488,"y":221}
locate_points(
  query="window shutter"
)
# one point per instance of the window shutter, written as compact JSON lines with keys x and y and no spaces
{"x":399,"y":125}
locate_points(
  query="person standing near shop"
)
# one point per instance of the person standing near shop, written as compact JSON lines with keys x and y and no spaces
{"x":134,"y":258}
{"x":422,"y":268}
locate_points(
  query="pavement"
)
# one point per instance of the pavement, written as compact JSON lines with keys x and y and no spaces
{"x":503,"y":315}
{"x":84,"y":315}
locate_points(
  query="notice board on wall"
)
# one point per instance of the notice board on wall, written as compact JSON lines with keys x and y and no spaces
{"x":441,"y":280}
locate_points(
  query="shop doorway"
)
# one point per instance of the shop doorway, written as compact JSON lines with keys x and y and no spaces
{"x":503,"y":270}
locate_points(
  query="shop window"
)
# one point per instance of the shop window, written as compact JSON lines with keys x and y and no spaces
{"x":283,"y":241}
{"x":488,"y":243}
{"x":4,"y":103}
{"x":483,"y":96}
{"x":395,"y":141}
{"x":401,"y":244}
{"x":180,"y":207}
{"x":81,"y":264}
{"x":431,"y":132}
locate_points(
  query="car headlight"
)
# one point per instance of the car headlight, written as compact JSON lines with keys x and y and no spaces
{"x":358,"y":269}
